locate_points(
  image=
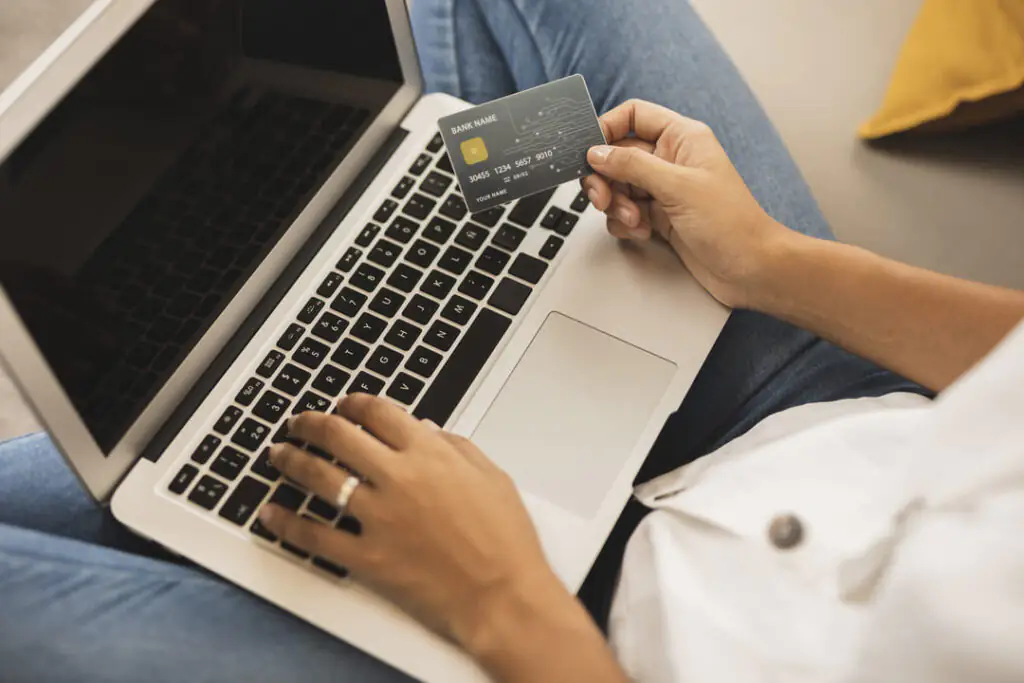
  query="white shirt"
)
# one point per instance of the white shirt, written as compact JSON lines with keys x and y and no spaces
{"x":911,"y":565}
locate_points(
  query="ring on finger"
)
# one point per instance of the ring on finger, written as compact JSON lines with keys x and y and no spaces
{"x":345,"y":494}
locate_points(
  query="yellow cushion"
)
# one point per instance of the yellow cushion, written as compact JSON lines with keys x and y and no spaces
{"x":962,"y":64}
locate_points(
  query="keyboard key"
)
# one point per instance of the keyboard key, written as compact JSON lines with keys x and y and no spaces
{"x":420,"y":165}
{"x":509,"y":237}
{"x":367,"y":235}
{"x":551,"y":247}
{"x":439,"y":230}
{"x":462,"y":367}
{"x":471,"y":237}
{"x":294,"y":550}
{"x":182,"y":479}
{"x":438,"y":284}
{"x":320,"y":507}
{"x":455,"y":260}
{"x":385,"y":211}
{"x":403,"y":187}
{"x":272,"y":407}
{"x":281,"y":436}
{"x":528,"y":209}
{"x":510,"y":296}
{"x":227,"y":420}
{"x":348,"y":302}
{"x":250,"y":435}
{"x":435,"y":184}
{"x":288,"y":497}
{"x":441,"y":335}
{"x":270,"y":364}
{"x":420,"y":309}
{"x":369,"y":328}
{"x":329,"y":328}
{"x":492,"y":261}
{"x":310,"y":311}
{"x":384,"y":361}
{"x":263,"y":532}
{"x":331,"y":380}
{"x":350,"y":259}
{"x":387,"y":303}
{"x":367,"y":277}
{"x":402,"y":229}
{"x":205,"y":449}
{"x":291,"y":379}
{"x":567,"y":223}
{"x":366,"y":383}
{"x":384,"y":253}
{"x":490,"y":217}
{"x":405,"y":388}
{"x":459,"y":310}
{"x":405,"y":278}
{"x":229,"y":463}
{"x":528,"y":268}
{"x":208,"y":492}
{"x":423,"y":361}
{"x":330,"y":285}
{"x":476,"y":285}
{"x":419,"y":206}
{"x":312,"y":403}
{"x":311,"y":353}
{"x":444,"y":163}
{"x":551,"y":218}
{"x":454,"y":207}
{"x":422,"y":253}
{"x":350,"y":354}
{"x":581,"y":202}
{"x":244,"y":501}
{"x":435,"y":144}
{"x":402,"y":335}
{"x":291,"y":337}
{"x":330,"y":567}
{"x":263,"y":467}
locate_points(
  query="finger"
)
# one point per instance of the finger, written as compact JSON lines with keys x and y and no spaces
{"x":319,"y":476}
{"x":345,"y":441}
{"x":598,"y":190}
{"x":637,"y":167}
{"x":646,"y":119}
{"x":385,"y":420}
{"x":318,"y":539}
{"x":624,"y":210}
{"x":624,"y":232}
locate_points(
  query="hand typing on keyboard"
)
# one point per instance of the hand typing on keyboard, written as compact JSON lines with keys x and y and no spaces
{"x":444,"y":533}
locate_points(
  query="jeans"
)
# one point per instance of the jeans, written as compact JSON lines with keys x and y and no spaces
{"x":81,"y":599}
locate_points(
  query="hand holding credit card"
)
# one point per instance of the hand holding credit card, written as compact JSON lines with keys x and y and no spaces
{"x":523,"y":143}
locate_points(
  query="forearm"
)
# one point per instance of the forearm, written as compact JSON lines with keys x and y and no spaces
{"x":542,"y":633}
{"x":928,"y":327}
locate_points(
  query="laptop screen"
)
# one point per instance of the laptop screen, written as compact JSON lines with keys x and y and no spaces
{"x":142,"y":203}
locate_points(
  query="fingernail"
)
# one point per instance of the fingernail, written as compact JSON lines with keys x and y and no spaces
{"x":599,"y":154}
{"x":267,"y":515}
{"x":592,"y":196}
{"x":638,"y":233}
{"x":624,"y":215}
{"x":275,"y":452}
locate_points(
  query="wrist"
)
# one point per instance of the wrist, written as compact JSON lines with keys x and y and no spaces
{"x":779,"y":264}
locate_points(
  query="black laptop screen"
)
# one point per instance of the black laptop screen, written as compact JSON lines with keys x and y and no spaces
{"x":136,"y":210}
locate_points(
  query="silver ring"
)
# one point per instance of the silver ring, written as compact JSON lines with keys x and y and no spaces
{"x":345,"y":494}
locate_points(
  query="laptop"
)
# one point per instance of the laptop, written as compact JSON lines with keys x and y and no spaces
{"x":214,"y":215}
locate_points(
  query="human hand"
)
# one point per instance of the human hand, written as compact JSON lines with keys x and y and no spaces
{"x":665,"y":174}
{"x":444,"y":532}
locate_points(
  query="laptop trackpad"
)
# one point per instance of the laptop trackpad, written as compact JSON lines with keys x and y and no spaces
{"x":571,"y":412}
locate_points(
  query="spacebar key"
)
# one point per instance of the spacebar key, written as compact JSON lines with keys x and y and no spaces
{"x":463,"y":367}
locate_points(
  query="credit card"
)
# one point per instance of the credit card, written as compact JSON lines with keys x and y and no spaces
{"x":523,"y":143}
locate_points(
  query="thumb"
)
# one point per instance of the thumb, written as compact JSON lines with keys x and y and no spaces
{"x":637,"y":167}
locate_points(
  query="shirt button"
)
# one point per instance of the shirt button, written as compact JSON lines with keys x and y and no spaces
{"x":785,"y":532}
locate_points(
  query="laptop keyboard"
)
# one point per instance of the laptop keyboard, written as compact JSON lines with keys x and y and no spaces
{"x":413,"y":310}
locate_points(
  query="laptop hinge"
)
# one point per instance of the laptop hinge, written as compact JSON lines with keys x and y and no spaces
{"x":156,"y":447}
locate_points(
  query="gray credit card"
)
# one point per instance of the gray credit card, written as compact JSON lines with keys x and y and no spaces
{"x":523,"y":143}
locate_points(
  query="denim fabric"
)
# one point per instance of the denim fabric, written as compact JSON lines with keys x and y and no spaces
{"x":83,"y":600}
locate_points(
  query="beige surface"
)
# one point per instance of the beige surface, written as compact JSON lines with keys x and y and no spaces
{"x":820,"y":68}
